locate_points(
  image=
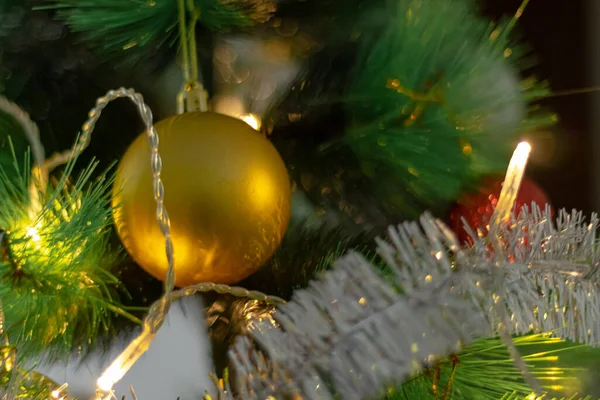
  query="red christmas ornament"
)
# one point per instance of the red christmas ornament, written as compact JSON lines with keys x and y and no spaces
{"x":477,"y":208}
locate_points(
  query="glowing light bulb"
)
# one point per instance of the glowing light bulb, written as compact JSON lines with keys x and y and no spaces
{"x":105,"y":383}
{"x":60,"y":392}
{"x":521,"y":154}
{"x":34,"y":234}
{"x":123,"y":363}
{"x":512,"y":183}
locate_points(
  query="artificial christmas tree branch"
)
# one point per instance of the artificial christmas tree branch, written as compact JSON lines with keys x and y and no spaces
{"x":425,"y":89}
{"x":330,"y":326}
{"x":16,"y":383}
{"x":339,"y":336}
{"x":486,"y":371}
{"x":138,"y":30}
{"x":55,"y":284}
{"x":352,"y":332}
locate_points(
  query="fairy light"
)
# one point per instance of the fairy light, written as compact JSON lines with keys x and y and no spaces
{"x":60,"y":393}
{"x":119,"y":367}
{"x":34,"y":235}
{"x":512,"y":182}
{"x":502,"y":214}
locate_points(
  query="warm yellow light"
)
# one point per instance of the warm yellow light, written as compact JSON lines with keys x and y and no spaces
{"x":60,"y":392}
{"x":252,"y":120}
{"x":263,"y":190}
{"x":521,"y":154}
{"x":8,"y":358}
{"x":117,"y":370}
{"x":512,"y":183}
{"x":39,"y":181}
{"x":33,"y":234}
{"x":107,"y":381}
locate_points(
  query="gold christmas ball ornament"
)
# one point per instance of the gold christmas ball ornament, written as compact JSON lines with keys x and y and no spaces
{"x":227,"y":193}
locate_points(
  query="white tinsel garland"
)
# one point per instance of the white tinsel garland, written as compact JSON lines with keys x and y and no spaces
{"x":354,"y":332}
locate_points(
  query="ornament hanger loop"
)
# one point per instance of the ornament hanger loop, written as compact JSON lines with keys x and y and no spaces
{"x":193,"y":96}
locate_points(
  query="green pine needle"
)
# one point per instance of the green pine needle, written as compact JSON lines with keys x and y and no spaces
{"x":122,"y":27}
{"x":138,"y":29}
{"x":516,"y":396}
{"x":436,"y":100}
{"x":55,"y":288}
{"x":487,"y":372}
{"x":225,"y":15}
{"x":28,"y":385}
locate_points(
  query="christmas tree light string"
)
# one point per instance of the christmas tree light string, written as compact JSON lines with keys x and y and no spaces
{"x":38,"y":204}
{"x":159,"y":309}
{"x":55,"y":255}
{"x":162,"y":308}
{"x":138,"y":346}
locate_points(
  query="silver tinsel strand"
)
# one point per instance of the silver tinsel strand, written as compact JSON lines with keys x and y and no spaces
{"x":354,"y":332}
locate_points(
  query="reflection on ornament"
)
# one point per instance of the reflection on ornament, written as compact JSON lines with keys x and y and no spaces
{"x":228,"y":197}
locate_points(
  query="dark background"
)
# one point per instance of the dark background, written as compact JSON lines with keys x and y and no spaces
{"x":561,"y":161}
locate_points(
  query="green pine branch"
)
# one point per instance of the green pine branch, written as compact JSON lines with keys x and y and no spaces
{"x":415,"y":106}
{"x":514,"y":396}
{"x":436,"y":100}
{"x":486,"y":371}
{"x":137,"y":30}
{"x":56,"y":290}
{"x":27,"y":385}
